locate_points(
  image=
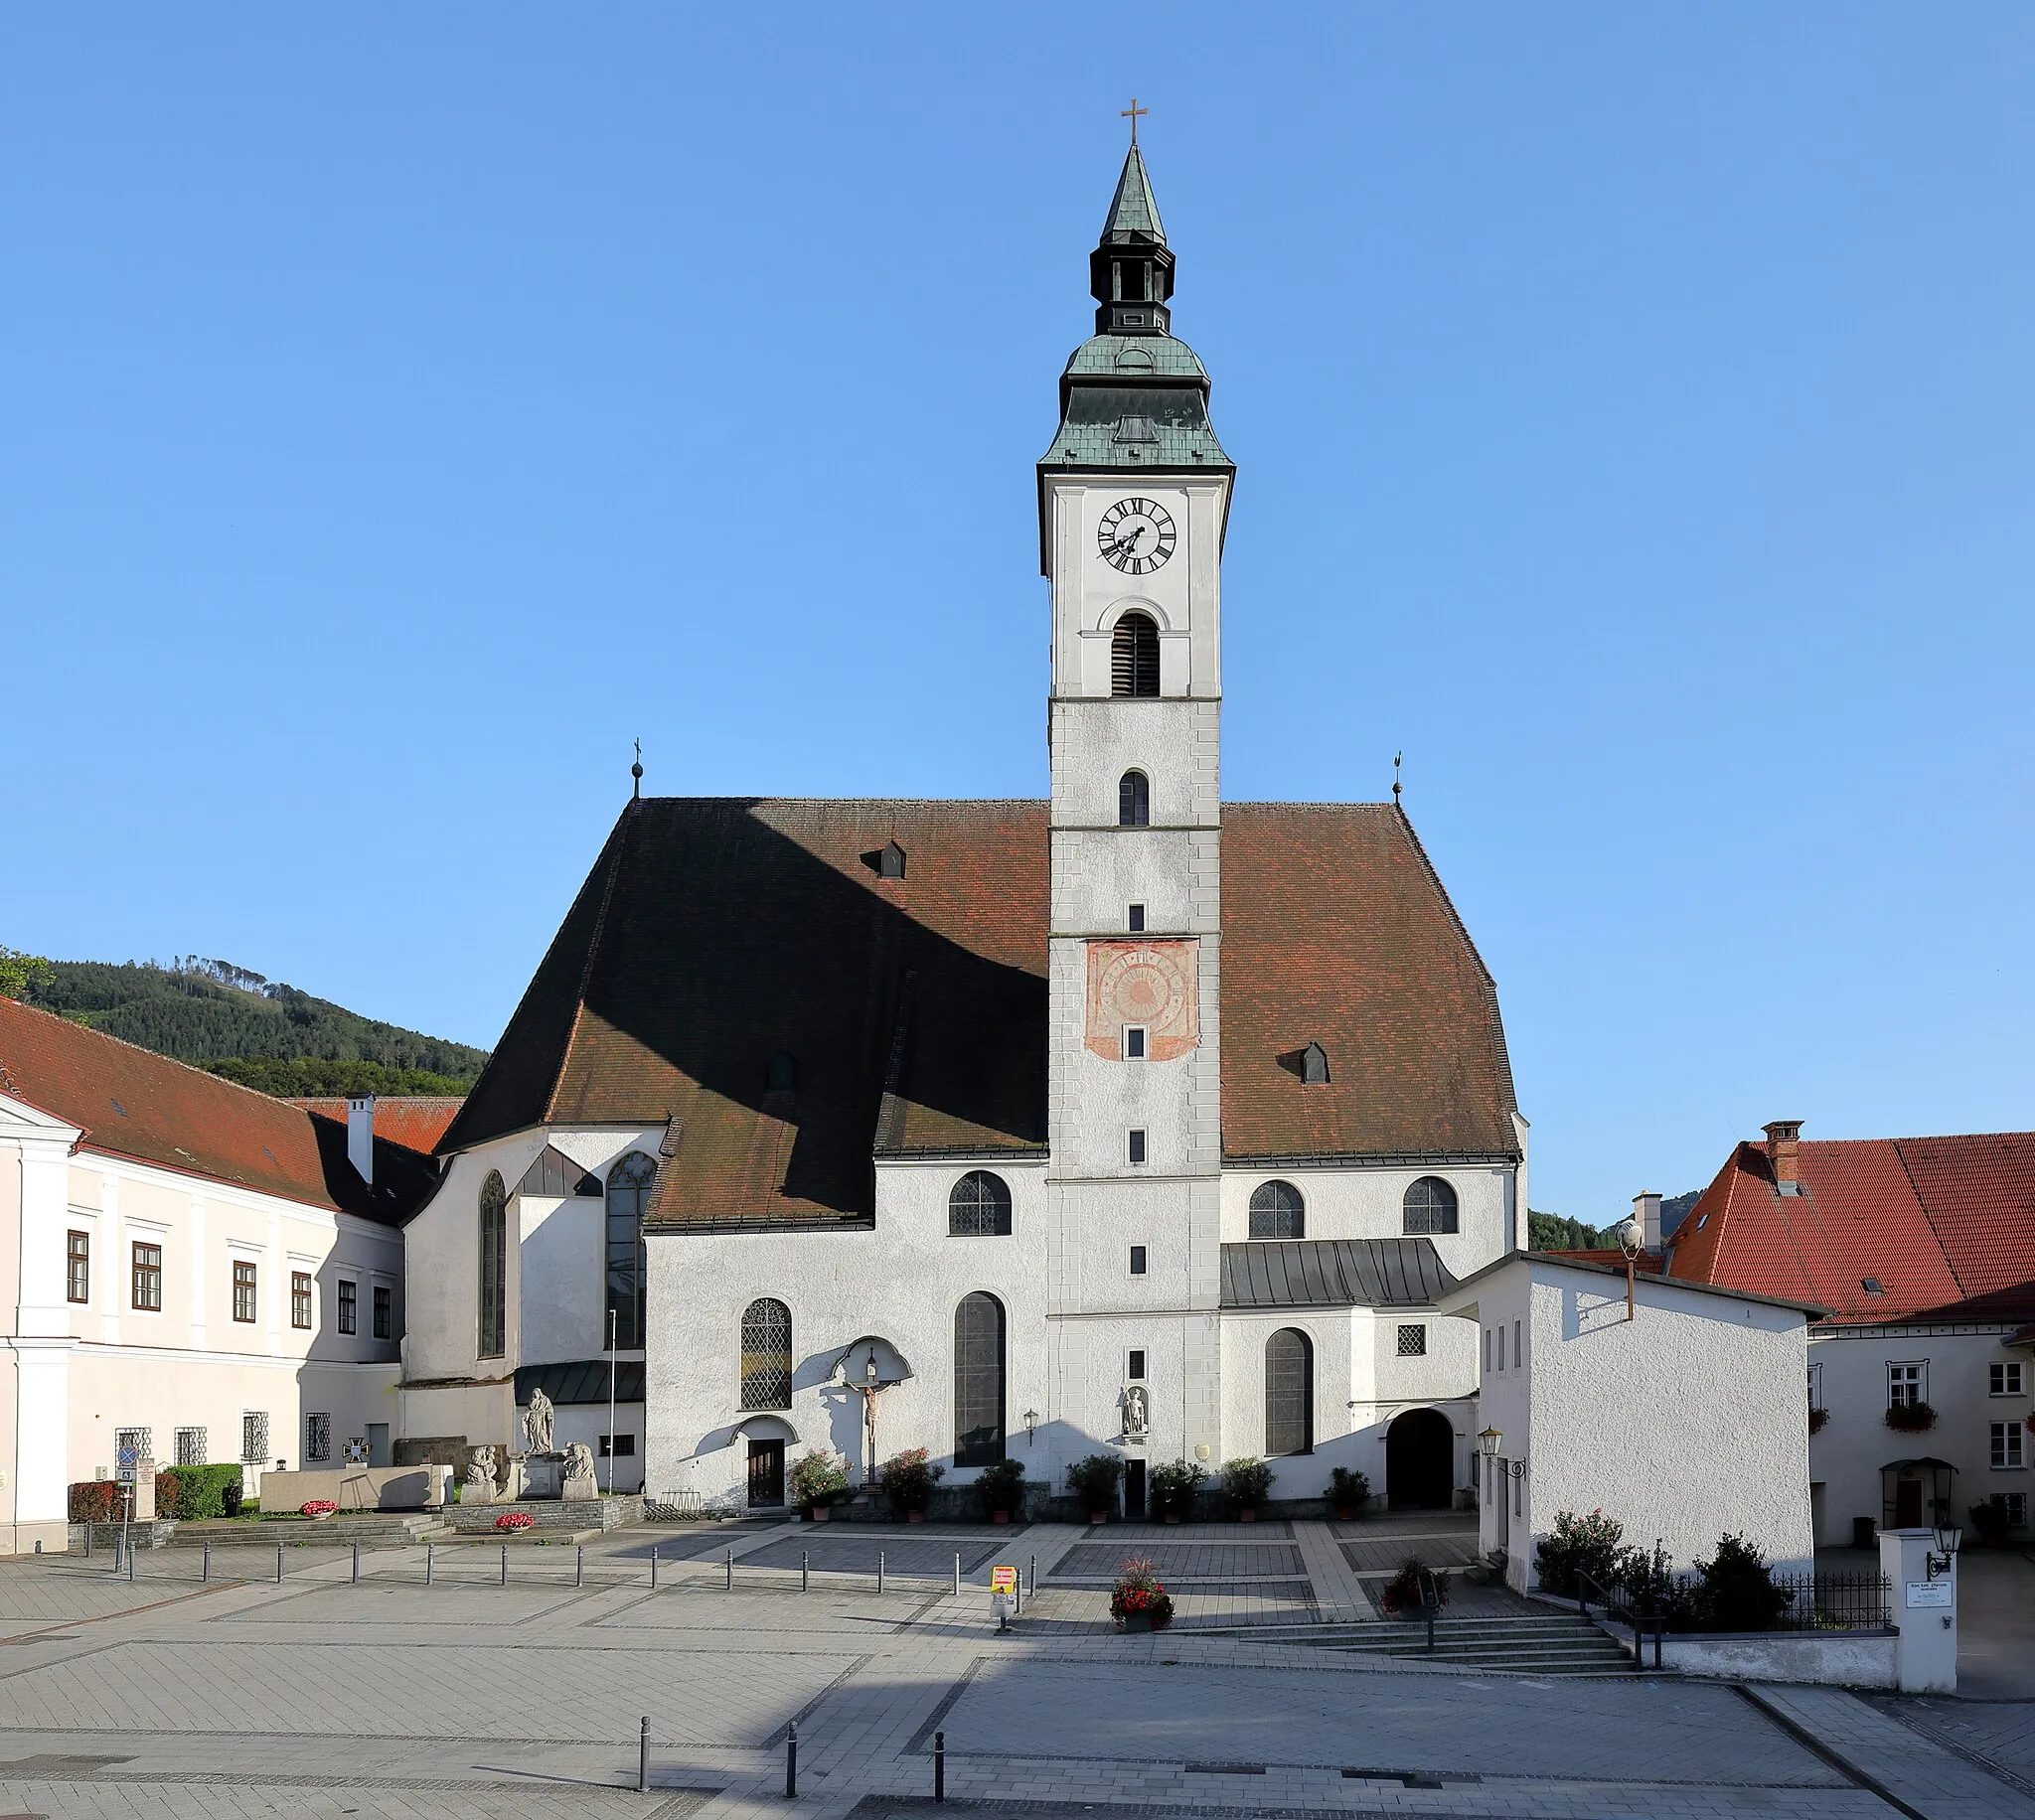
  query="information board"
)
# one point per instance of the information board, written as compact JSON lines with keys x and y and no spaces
{"x":1002,"y":1580}
{"x":1926,"y":1592}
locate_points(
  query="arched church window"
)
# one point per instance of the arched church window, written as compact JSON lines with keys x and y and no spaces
{"x":1430,"y":1206}
{"x":1289,"y":1393}
{"x":766,"y":1355}
{"x":979,"y":1206}
{"x":978,"y":1381}
{"x":494,"y":1266}
{"x":629,"y":1184}
{"x":1278,"y":1212}
{"x":1134,"y":656}
{"x":1134,"y":799}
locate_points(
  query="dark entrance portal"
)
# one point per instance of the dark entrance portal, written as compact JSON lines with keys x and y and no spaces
{"x":1420,"y":1462}
{"x":766,"y":1472}
{"x":1134,"y":1491}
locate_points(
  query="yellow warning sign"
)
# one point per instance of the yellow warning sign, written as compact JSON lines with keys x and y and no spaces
{"x":1002,"y":1580}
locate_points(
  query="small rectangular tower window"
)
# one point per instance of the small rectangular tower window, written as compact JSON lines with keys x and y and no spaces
{"x":1134,"y":1042}
{"x":1133,"y":919}
{"x":1135,"y":1370}
{"x":149,"y":1278}
{"x":78,"y":1267}
{"x":300,"y":1298}
{"x":1137,"y":1149}
{"x":1137,"y":1261}
{"x":385,"y":1310}
{"x":349,"y":1318}
{"x":244,"y":1290}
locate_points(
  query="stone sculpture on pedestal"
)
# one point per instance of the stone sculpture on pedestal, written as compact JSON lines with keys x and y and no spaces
{"x":579,"y":1473}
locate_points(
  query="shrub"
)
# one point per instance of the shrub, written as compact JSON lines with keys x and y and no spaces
{"x":820,"y":1477}
{"x":908,"y":1480}
{"x":192,"y":1495}
{"x":233,"y":1500}
{"x":1406,"y":1590}
{"x":97,"y":1501}
{"x":1349,"y":1490}
{"x":1738,"y":1590}
{"x":1138,"y":1593}
{"x":1173,"y":1486}
{"x":1247,"y":1481}
{"x":508,"y":1519}
{"x":1094,"y":1481}
{"x":1911,"y":1418}
{"x":1816,"y":1418}
{"x":1002,"y":1487}
{"x":1991,"y":1521}
{"x":1580,"y":1545}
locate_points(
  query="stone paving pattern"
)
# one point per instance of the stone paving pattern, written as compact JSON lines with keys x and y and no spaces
{"x":319,"y":1697}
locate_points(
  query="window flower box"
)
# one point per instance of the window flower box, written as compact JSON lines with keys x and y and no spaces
{"x":1911,"y":1418}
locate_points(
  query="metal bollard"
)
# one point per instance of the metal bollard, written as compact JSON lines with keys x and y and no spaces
{"x":879,"y":1573}
{"x":427,"y":1563}
{"x":505,"y":1564}
{"x":653,"y":1567}
{"x":791,"y":1761}
{"x":729,"y":1587}
{"x":88,"y":1542}
{"x":804,"y":1569}
{"x":1034,"y":1573}
{"x":204,"y":1571}
{"x":357,"y":1563}
{"x":578,"y":1563}
{"x":643,"y":1757}
{"x":278,"y":1563}
{"x":957,"y":1576}
{"x":130,"y":1560}
{"x":939,"y":1766}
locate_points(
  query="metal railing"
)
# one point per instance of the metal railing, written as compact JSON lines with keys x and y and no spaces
{"x":1684,"y":1602}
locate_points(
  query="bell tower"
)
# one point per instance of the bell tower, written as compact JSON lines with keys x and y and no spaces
{"x":1133,"y":498}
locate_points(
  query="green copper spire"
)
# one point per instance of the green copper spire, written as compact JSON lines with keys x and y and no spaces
{"x":1133,"y":213}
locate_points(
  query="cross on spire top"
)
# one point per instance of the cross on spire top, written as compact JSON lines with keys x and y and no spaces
{"x":1130,"y":113}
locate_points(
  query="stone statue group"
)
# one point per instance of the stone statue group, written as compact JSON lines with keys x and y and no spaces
{"x":494,"y":1476}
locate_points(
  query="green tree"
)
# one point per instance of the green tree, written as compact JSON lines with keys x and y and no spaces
{"x":19,"y":972}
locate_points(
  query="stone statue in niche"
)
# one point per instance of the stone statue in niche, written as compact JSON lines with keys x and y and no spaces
{"x":579,"y":1482}
{"x":537,"y":1425}
{"x":1137,"y":1413}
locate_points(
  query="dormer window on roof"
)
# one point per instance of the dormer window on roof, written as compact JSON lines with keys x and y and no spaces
{"x":891,"y":860}
{"x":1874,"y":1287}
{"x":1313,"y":1066}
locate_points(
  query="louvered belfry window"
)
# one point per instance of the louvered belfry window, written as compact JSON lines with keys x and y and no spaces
{"x":1134,"y":656}
{"x":979,"y":1206}
{"x":1134,"y":799}
{"x":766,"y":1355}
{"x":979,"y":1381}
{"x":1278,"y":1212}
{"x":494,"y":1266}
{"x":1289,"y":1393}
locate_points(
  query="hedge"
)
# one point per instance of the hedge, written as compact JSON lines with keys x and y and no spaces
{"x":193,"y":1493}
{"x":97,"y":1501}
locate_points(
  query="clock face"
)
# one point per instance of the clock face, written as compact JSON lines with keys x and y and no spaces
{"x":1137,"y":535}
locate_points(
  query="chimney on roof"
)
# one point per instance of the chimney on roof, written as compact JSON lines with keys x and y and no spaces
{"x":1647,"y":1213}
{"x":1783,"y":1142}
{"x":360,"y":1136}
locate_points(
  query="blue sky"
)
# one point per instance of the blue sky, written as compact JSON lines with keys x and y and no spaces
{"x":1634,"y":410}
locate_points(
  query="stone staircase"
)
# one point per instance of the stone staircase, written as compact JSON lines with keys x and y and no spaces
{"x":370,"y":1528}
{"x":1555,"y":1644}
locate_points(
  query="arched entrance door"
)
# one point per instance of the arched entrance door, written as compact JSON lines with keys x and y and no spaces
{"x":1420,"y":1460}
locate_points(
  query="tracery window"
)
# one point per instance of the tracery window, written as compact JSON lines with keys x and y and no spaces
{"x":1430,"y":1206}
{"x":979,"y":1206}
{"x":494,"y":1266}
{"x":629,"y":1184}
{"x":1289,"y":1393}
{"x":1277,"y":1211}
{"x":766,"y":1355}
{"x":978,"y":1381}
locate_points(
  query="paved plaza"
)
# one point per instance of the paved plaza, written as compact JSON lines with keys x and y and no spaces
{"x":172,"y":1695}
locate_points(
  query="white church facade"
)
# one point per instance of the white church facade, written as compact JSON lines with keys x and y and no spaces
{"x":1130,"y":1121}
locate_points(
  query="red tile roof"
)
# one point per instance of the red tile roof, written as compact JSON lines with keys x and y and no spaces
{"x":716,"y":934}
{"x":136,"y":1104}
{"x":414,"y":1120}
{"x":1944,"y":1226}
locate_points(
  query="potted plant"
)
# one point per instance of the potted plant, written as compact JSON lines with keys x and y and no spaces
{"x":1094,"y":1481}
{"x":1000,"y":1488}
{"x":1910,"y":1418}
{"x":1993,"y":1522}
{"x":512,"y":1520}
{"x":1816,"y":1418}
{"x":1138,"y":1601}
{"x":317,"y":1508}
{"x":908,"y":1480}
{"x":1248,"y":1481}
{"x":1173,"y":1486}
{"x":1348,"y":1492}
{"x":1407,"y":1591}
{"x":818,"y":1478}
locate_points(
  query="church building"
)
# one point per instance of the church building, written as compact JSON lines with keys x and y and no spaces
{"x":1129,"y":1121}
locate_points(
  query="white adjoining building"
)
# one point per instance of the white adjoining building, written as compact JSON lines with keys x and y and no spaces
{"x":195,"y":1272}
{"x":1128,"y":1120}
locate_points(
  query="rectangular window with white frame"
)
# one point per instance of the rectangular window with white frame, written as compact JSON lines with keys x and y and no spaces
{"x":77,"y":1266}
{"x":245,"y":1301}
{"x":149,"y":1278}
{"x":300,"y":1298}
{"x":349,"y":1307}
{"x":2010,"y":1446}
{"x":2006,"y":1378}
{"x":1816,"y":1387}
{"x":1134,"y":1042}
{"x":1907,"y":1383}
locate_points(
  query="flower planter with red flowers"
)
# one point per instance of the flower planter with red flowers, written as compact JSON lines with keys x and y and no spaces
{"x":1911,"y":1418}
{"x":317,"y":1507}
{"x":512,"y":1520}
{"x":1138,"y":1601}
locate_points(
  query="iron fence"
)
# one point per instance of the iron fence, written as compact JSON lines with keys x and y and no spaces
{"x":1680,"y":1601}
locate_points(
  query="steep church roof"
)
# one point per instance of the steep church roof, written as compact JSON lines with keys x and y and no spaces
{"x":743,"y":968}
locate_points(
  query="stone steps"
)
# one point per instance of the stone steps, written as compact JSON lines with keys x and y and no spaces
{"x":1524,"y":1645}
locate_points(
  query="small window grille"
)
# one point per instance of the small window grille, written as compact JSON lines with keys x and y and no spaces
{"x":253,"y":1438}
{"x":1134,"y":799}
{"x":191,"y":1448}
{"x":2016,"y":1503}
{"x":1134,"y":656}
{"x":349,"y":1307}
{"x":130,"y":1447}
{"x":245,"y":1300}
{"x":1137,"y":1261}
{"x":1413,"y":1340}
{"x":317,"y":1435}
{"x":1136,"y":1146}
{"x":766,"y":1356}
{"x":77,"y":1266}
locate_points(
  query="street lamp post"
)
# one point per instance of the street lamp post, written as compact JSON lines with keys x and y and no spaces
{"x":1631,"y":1240}
{"x":1949,"y":1536}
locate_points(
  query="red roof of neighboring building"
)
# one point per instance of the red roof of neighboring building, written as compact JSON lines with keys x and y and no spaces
{"x":1944,"y":1226}
{"x":134,"y":1102}
{"x":414,"y":1120}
